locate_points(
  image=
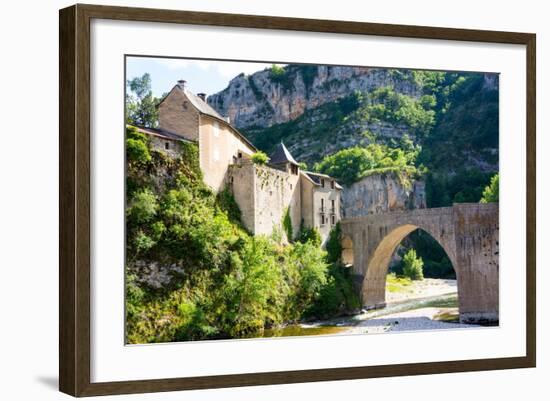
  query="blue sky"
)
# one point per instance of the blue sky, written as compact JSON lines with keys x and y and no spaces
{"x":201,"y":75}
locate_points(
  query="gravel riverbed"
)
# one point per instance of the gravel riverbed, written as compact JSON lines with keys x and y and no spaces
{"x":413,"y":320}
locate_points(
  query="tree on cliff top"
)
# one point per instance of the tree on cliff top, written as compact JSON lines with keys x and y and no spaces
{"x":351,"y":164}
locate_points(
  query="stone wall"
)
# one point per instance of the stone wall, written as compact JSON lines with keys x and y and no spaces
{"x":380,"y":193}
{"x":170,"y":147}
{"x":240,"y":182}
{"x":264,"y":194}
{"x":477,"y":251}
{"x":219,"y":148}
{"x":179,"y":116}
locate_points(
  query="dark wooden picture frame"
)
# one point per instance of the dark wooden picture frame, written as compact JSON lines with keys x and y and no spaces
{"x":74,"y":202}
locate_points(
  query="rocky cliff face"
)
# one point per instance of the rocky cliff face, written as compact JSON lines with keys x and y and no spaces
{"x":318,"y":110}
{"x":379,"y":193}
{"x":265,"y":98}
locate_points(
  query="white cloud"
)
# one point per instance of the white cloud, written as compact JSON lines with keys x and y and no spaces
{"x":172,"y":63}
{"x":231,"y":69}
{"x":227,"y":69}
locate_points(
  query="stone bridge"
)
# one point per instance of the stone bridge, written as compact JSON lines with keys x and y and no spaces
{"x":468,"y":233}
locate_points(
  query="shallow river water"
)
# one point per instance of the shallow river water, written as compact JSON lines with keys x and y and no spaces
{"x":350,"y":324}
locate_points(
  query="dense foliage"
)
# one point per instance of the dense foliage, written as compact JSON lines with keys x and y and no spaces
{"x":436,"y":261}
{"x":387,"y":105}
{"x":351,"y":164}
{"x":193,"y":272}
{"x":329,"y":118}
{"x":491,"y":191}
{"x":452,"y":122}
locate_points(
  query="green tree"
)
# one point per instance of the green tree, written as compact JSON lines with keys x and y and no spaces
{"x":334,"y":244}
{"x":351,"y":164}
{"x":490,"y":193}
{"x":260,"y":158}
{"x":412,"y":266}
{"x":310,"y":235}
{"x":141,"y":105}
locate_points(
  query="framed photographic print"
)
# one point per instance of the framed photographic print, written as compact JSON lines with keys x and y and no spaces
{"x":250,"y":200}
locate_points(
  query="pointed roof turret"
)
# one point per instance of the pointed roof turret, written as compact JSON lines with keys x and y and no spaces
{"x":281,"y":155}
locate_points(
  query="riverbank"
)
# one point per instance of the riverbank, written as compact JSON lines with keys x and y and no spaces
{"x":429,"y":304}
{"x":398,"y":290}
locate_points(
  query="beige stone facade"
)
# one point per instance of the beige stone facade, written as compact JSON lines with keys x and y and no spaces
{"x":219,"y":148}
{"x":185,"y":114}
{"x":265,"y":193}
{"x":321,"y":202}
{"x":178,"y":116}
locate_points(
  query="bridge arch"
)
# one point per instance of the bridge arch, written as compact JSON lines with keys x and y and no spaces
{"x":373,"y":289}
{"x":468,"y":233}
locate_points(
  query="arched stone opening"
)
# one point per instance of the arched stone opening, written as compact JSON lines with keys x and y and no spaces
{"x":373,"y":291}
{"x":347,"y":252}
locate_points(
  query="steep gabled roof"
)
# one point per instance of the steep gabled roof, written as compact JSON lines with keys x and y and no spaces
{"x":281,"y":155}
{"x":205,"y":109}
{"x":201,"y":105}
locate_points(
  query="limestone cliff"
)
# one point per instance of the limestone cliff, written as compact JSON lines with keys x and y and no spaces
{"x":379,"y":193}
{"x":318,"y":110}
{"x":266,"y":98}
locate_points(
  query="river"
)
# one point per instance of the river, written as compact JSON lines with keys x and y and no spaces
{"x":428,"y":313}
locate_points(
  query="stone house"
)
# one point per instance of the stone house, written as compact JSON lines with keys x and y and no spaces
{"x":268,"y":195}
{"x":321,"y":202}
{"x":185,"y":114}
{"x":163,"y":141}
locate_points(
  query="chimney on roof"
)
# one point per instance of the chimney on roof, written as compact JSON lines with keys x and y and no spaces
{"x":181,"y":83}
{"x":202,"y":95}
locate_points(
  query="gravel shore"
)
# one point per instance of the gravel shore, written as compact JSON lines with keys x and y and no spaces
{"x":413,"y":320}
